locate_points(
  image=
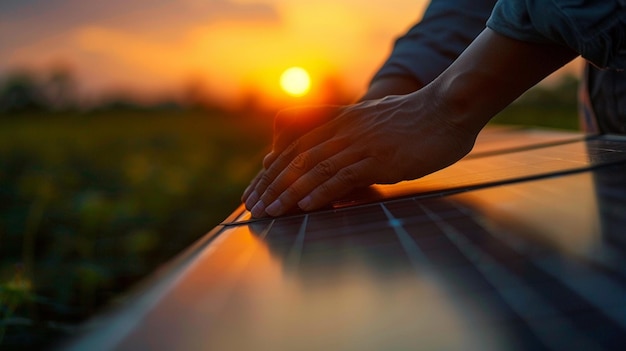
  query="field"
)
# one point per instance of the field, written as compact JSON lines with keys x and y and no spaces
{"x":89,"y":204}
{"x":92,"y":203}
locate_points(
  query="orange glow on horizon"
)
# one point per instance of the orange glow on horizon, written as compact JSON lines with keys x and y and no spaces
{"x":236,"y":50}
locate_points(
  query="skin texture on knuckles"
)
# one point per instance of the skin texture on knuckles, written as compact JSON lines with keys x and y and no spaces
{"x":367,"y":143}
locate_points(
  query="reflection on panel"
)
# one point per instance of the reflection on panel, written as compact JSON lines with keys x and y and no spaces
{"x":506,"y":139}
{"x":535,"y":264}
{"x":571,"y":218}
{"x":268,"y":288}
{"x":477,"y":270}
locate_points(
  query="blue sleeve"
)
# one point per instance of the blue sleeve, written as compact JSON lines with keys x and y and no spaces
{"x":427,"y":49}
{"x":596,"y":29}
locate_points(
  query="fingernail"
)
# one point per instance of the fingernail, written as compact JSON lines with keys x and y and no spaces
{"x":258,"y":210}
{"x":275,"y":208}
{"x":305,"y":203}
{"x":252,"y":200}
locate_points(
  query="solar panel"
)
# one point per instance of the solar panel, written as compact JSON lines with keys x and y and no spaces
{"x":484,"y":169}
{"x":521,"y":249}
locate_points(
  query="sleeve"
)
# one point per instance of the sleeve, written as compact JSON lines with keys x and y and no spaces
{"x":596,"y":29}
{"x":429,"y":47}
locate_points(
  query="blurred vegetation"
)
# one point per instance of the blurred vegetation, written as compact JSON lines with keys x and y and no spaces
{"x":91,"y":202}
{"x":23,"y":90}
{"x":551,"y":107}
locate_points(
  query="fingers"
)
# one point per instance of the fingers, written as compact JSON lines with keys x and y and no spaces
{"x":247,"y":194}
{"x":291,"y":124}
{"x":295,"y":161}
{"x":318,"y":187}
{"x":360,"y":174}
{"x":269,"y":159}
{"x":295,"y":182}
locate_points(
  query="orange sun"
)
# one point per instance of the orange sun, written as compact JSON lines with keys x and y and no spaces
{"x":295,"y":81}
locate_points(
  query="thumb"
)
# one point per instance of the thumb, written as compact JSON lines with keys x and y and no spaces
{"x":292,"y":123}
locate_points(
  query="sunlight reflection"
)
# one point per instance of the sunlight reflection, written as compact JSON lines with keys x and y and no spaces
{"x":572,"y":227}
{"x":242,"y":297}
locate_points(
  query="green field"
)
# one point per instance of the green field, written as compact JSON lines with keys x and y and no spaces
{"x":89,"y":204}
{"x":92,"y":203}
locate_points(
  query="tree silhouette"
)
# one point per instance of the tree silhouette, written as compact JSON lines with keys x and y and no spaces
{"x":23,"y":90}
{"x":60,"y":89}
{"x":20,"y":92}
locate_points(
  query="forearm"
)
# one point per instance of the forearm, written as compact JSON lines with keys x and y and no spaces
{"x":492,"y":73}
{"x":430,"y":46}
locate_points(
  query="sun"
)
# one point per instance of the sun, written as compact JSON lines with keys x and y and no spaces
{"x":295,"y":81}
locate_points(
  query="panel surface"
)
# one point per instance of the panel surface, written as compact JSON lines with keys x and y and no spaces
{"x":535,"y":261}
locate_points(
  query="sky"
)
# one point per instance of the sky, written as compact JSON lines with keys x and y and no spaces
{"x":231,"y":48}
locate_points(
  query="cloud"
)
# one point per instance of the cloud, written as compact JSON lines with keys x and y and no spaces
{"x":30,"y":21}
{"x":80,"y":11}
{"x":230,"y":44}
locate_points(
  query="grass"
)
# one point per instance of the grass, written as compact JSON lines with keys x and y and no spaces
{"x":89,"y":204}
{"x":539,"y":115}
{"x":551,"y":107}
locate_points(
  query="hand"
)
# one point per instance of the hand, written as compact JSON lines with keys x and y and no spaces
{"x":289,"y":125}
{"x":379,"y":141}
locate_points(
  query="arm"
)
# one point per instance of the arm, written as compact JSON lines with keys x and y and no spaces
{"x":491,"y":74}
{"x":430,"y":46}
{"x":449,"y":26}
{"x":407,"y":136}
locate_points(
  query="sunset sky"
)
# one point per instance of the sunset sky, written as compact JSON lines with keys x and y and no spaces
{"x":231,"y":47}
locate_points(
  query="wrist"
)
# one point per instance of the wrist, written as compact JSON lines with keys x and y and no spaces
{"x":492,"y":72}
{"x":465,"y":98}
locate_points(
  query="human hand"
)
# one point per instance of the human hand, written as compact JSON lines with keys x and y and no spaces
{"x":289,"y":125}
{"x":292,"y":123}
{"x":379,"y":141}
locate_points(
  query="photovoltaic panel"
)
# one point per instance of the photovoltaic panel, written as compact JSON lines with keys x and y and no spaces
{"x":523,"y":162}
{"x":534,"y":261}
{"x":498,"y":140}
